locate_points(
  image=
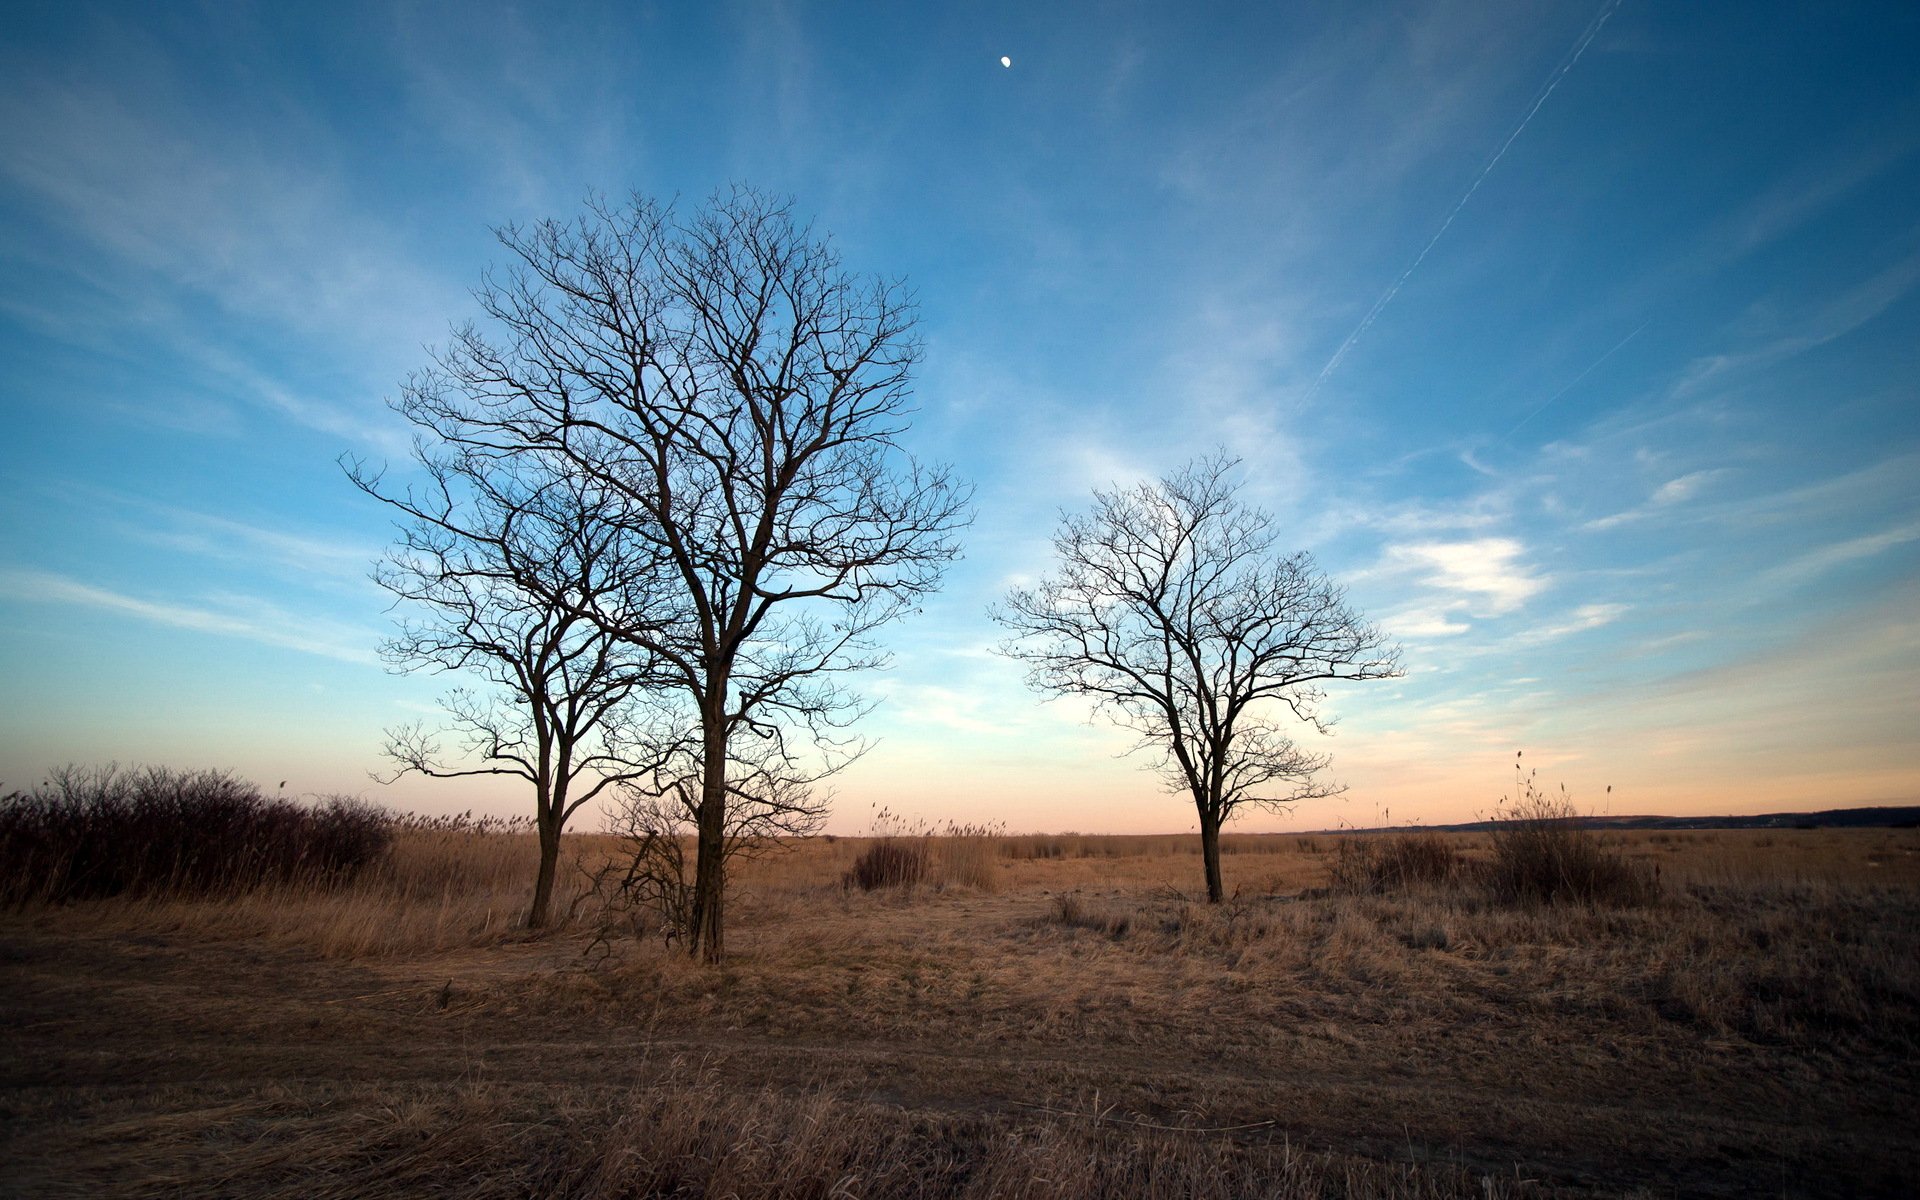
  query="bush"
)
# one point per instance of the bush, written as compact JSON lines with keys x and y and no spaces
{"x":888,"y":863}
{"x":113,"y":831}
{"x":1364,"y":866}
{"x":1542,"y":854}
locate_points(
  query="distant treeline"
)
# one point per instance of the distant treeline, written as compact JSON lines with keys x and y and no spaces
{"x":1891,"y":817}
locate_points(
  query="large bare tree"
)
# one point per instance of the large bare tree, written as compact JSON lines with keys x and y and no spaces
{"x":744,"y":397}
{"x":505,"y":565}
{"x":1175,"y":615}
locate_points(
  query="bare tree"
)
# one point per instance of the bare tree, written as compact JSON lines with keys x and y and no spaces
{"x":1173,"y":613}
{"x":505,"y":563}
{"x":744,"y":397}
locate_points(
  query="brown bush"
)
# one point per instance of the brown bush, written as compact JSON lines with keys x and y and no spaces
{"x":888,"y":864}
{"x":154,"y":831}
{"x":1367,"y":866}
{"x":1542,"y":854}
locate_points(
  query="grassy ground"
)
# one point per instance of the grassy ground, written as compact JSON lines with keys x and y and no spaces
{"x":1041,"y":1017}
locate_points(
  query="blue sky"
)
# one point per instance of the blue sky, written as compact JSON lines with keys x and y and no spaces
{"x":1580,"y":340}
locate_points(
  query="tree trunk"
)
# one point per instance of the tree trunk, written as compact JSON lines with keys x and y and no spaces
{"x":1210,"y":854}
{"x":549,"y":865}
{"x":707,"y":938}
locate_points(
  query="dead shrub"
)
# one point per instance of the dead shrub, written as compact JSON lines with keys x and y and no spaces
{"x":888,"y":864}
{"x":1365,"y":866}
{"x":645,"y":887}
{"x":154,"y":831}
{"x":1542,"y":854}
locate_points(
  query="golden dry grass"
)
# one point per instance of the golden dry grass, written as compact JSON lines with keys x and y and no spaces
{"x":1054,"y":1016}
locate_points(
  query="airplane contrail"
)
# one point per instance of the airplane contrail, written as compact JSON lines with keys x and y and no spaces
{"x":1576,"y":381}
{"x":1386,"y":297}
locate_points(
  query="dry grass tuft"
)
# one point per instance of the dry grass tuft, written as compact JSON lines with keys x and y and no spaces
{"x":1541,"y":854}
{"x":1369,"y":865}
{"x":968,"y":856}
{"x":888,"y":864}
{"x":1070,"y":910}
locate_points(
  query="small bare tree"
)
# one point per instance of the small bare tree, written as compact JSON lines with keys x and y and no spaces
{"x":744,"y":397}
{"x":656,"y":817}
{"x":1173,"y":613}
{"x":506,"y":563}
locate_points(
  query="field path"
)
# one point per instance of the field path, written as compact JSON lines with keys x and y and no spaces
{"x":104,"y":1033}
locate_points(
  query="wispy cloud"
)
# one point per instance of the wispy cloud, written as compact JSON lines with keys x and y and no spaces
{"x":230,"y":615}
{"x":336,"y":559}
{"x":162,"y":209}
{"x":365,"y":426}
{"x":1422,"y":623}
{"x":967,"y":710}
{"x":1886,"y":485}
{"x":1815,"y":563}
{"x":260,"y":231}
{"x":304,"y":551}
{"x":547,"y":118}
{"x":1814,"y":719}
{"x":1674,"y":491}
{"x":1580,"y":620}
{"x":1488,"y":575}
{"x":1803,"y":328}
{"x":1668,"y":495}
{"x":1810,"y":190}
{"x":1479,"y":512}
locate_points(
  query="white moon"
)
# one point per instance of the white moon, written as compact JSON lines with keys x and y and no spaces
{"x":1005,"y":61}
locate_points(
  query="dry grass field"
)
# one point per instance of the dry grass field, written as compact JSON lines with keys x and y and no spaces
{"x":1038,"y":1017}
